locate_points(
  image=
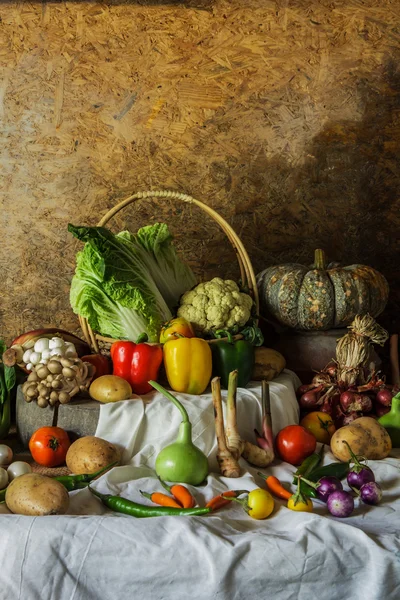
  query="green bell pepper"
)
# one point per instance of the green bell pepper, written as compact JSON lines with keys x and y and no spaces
{"x":391,"y":421}
{"x":230,"y":356}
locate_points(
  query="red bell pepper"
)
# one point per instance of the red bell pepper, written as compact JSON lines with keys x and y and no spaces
{"x":137,"y":363}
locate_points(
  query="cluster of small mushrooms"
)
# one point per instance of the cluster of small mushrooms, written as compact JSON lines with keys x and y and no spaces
{"x":58,"y":380}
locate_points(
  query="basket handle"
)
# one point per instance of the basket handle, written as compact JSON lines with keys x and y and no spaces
{"x":246,"y":269}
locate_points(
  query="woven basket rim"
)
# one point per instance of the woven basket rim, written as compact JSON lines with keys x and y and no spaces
{"x":246,"y":269}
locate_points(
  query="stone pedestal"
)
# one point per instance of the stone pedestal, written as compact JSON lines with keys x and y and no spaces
{"x":78,"y":418}
{"x":307,"y":352}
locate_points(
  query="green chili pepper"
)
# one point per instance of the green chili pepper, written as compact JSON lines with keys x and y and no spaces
{"x":77,"y":482}
{"x":232,"y":356}
{"x":3,"y":495}
{"x":308,"y":465}
{"x":338,"y":470}
{"x":125,"y":506}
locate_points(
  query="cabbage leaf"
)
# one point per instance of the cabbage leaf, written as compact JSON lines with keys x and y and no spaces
{"x":125,"y":284}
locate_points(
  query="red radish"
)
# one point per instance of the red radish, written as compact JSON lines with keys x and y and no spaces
{"x":327,"y":407}
{"x":350,"y":401}
{"x":321,"y":379}
{"x":384,"y":397}
{"x":310,"y":399}
{"x":350,"y":417}
{"x":381,"y":410}
{"x":346,"y":400}
{"x":305,"y":388}
{"x":331,"y":369}
{"x":331,"y":401}
{"x":366,"y":403}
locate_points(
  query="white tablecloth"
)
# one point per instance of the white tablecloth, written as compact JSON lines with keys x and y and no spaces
{"x":92,"y":553}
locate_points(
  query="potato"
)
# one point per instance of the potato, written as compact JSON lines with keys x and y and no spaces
{"x":110,"y":388}
{"x":90,"y":454}
{"x":36,"y":495}
{"x":268,"y":364}
{"x":365,"y":436}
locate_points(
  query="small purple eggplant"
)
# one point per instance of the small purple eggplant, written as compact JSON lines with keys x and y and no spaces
{"x":340,"y":504}
{"x":326,"y":487}
{"x":371,"y":493}
{"x":359,"y":473}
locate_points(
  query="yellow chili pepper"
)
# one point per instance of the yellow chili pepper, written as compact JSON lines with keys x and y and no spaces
{"x":188,"y":364}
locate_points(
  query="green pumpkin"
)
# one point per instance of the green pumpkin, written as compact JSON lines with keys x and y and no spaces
{"x":318,"y":297}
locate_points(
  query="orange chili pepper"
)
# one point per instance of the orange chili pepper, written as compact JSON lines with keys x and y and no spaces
{"x":161,"y":499}
{"x":180,"y":493}
{"x":224,"y":499}
{"x":275,"y":487}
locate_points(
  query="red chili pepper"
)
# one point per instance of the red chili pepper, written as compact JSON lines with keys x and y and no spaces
{"x":138,"y":363}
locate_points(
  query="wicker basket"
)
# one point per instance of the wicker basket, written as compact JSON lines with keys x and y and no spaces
{"x":101,"y":343}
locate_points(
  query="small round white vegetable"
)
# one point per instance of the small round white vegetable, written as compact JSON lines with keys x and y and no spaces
{"x":57,"y":352}
{"x":27,"y":355}
{"x":71,"y":353}
{"x":56,"y":342}
{"x":42,"y":344}
{"x":45,"y":355}
{"x":3,"y":478}
{"x":6,"y":455}
{"x":18,"y":468}
{"x":35,"y":358}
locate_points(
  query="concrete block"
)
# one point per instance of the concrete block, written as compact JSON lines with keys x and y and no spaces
{"x":79,"y":417}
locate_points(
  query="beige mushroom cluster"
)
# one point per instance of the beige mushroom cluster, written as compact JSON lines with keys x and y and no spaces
{"x":57,"y":381}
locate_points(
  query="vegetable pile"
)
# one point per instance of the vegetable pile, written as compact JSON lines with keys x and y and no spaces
{"x":346,"y":388}
{"x":57,"y":379}
{"x":324,"y":484}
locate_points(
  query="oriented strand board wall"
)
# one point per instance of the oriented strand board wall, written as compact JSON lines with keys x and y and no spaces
{"x":282,"y":115}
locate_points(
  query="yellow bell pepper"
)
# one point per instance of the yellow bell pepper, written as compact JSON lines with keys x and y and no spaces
{"x":188,"y":364}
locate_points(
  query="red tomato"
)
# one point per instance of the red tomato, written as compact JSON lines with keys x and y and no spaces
{"x":294,"y":443}
{"x":102,"y":364}
{"x":49,"y":446}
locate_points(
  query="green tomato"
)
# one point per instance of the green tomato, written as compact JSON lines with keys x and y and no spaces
{"x":260,"y":504}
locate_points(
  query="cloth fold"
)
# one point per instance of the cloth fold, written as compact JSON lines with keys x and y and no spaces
{"x":91,"y":552}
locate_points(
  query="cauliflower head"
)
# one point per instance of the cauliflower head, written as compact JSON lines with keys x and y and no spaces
{"x":215,"y":304}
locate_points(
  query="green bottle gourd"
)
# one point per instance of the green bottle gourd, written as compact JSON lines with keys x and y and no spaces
{"x":391,"y":421}
{"x":182,"y":461}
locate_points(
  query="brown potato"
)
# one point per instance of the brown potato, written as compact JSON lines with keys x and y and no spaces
{"x":89,"y":454}
{"x":110,"y":388}
{"x":36,"y":495}
{"x":268,"y":364}
{"x":365,"y":436}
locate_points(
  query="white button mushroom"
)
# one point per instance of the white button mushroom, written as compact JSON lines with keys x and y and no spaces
{"x":27,"y":355}
{"x":57,"y":352}
{"x":41,"y":344}
{"x":45,"y":355}
{"x":35,"y":358}
{"x":56,"y":342}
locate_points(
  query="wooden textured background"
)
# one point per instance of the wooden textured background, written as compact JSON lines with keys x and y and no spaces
{"x":282,"y":115}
